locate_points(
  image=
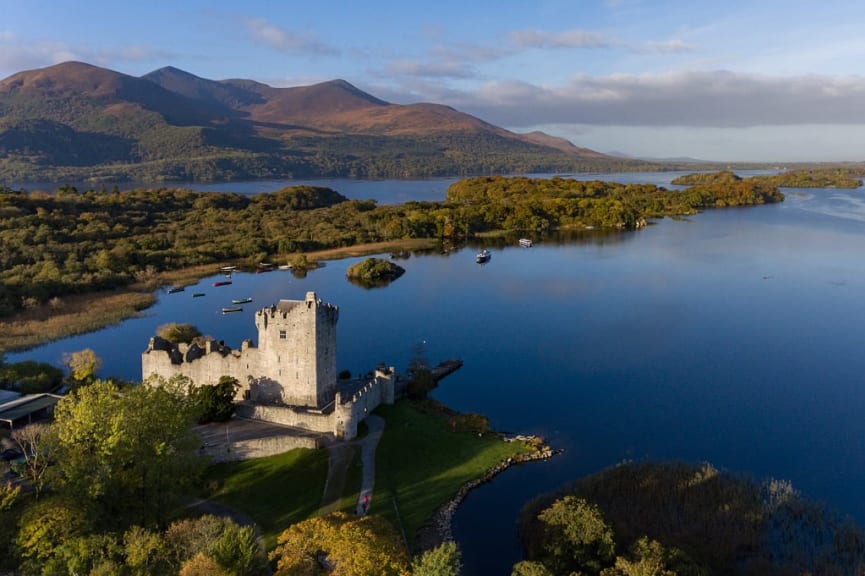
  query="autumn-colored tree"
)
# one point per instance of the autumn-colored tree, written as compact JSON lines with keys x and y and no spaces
{"x":82,"y":365}
{"x":201,"y":565}
{"x":648,"y":558}
{"x":233,"y":548}
{"x":443,"y":560}
{"x":341,"y":546}
{"x":176,"y":333}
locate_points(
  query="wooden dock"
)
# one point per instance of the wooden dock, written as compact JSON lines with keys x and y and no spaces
{"x":446,"y":368}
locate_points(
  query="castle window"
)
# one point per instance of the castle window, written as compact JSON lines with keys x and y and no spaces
{"x":282,"y":334}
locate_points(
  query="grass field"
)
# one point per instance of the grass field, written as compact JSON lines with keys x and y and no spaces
{"x":275,"y":491}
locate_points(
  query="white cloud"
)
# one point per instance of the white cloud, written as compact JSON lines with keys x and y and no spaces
{"x":567,"y":39}
{"x":17,"y":56}
{"x":667,"y":47}
{"x":445,"y":69}
{"x":260,"y":30}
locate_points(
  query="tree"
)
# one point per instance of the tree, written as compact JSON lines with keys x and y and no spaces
{"x":82,"y":365}
{"x":648,"y":558}
{"x":577,"y":537}
{"x":32,"y":440}
{"x":177,"y":333}
{"x":202,"y":565}
{"x":45,"y":528}
{"x":215,"y":403}
{"x":443,"y":560}
{"x":145,"y":552}
{"x":341,"y":546}
{"x":238,"y":552}
{"x":530,"y":568}
{"x":127,"y":453}
{"x":233,"y":549}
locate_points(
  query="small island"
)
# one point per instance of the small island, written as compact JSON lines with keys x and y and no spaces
{"x":374,"y":272}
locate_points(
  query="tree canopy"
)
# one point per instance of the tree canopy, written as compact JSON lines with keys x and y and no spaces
{"x":341,"y":546}
{"x":125,"y":453}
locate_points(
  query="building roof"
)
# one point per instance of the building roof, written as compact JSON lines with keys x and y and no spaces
{"x":8,"y":396}
{"x":15,"y":410}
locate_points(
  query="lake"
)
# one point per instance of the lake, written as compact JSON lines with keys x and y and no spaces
{"x":733,"y":337}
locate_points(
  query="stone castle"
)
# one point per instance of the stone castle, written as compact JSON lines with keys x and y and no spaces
{"x":290,"y":378}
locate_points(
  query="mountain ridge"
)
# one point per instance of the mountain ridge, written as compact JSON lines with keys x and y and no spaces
{"x":172,"y":124}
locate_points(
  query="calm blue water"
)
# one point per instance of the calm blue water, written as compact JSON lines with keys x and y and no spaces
{"x":734,"y":336}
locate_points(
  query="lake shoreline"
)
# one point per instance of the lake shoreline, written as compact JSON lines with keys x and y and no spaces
{"x":79,"y":314}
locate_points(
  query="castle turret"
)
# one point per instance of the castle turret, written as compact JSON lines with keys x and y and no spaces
{"x":297,"y":348}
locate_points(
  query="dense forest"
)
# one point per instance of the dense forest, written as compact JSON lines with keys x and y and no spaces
{"x":821,"y":177}
{"x":191,"y":154}
{"x":669,"y":519}
{"x":70,"y":242}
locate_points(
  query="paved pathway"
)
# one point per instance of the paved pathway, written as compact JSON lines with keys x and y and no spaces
{"x":375,"y":427}
{"x":339,"y":460}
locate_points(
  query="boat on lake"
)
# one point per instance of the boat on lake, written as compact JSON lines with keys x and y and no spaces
{"x":198,"y":294}
{"x":232,"y":309}
{"x":242,"y":301}
{"x":483,"y":256}
{"x":285,"y":266}
{"x":222,"y":283}
{"x":525,"y":243}
{"x":175,"y":289}
{"x":228,"y":269}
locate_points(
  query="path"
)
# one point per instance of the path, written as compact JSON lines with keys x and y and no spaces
{"x":339,"y":459}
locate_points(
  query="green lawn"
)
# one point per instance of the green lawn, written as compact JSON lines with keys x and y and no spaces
{"x":421,"y":464}
{"x":275,"y":491}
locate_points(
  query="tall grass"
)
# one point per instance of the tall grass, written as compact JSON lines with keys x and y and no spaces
{"x":73,"y":315}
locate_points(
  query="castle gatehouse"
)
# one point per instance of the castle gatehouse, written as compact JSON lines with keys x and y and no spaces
{"x":290,"y":378}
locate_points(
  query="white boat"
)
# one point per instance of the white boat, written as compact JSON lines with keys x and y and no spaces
{"x":525,"y":243}
{"x":483,"y":256}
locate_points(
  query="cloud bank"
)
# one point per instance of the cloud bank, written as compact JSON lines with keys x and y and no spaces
{"x":698,"y":99}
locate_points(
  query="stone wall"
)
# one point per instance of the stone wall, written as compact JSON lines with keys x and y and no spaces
{"x":299,"y":418}
{"x":258,"y":448}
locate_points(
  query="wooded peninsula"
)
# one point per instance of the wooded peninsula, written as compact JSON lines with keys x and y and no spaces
{"x":70,"y":242}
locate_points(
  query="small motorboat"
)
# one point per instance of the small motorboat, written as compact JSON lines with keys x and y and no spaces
{"x":222,"y":283}
{"x":175,"y":289}
{"x":198,"y":294}
{"x":242,"y":301}
{"x":232,"y":309}
{"x":525,"y":243}
{"x":483,"y":256}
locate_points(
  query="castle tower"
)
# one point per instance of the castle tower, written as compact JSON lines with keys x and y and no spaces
{"x":297,"y":348}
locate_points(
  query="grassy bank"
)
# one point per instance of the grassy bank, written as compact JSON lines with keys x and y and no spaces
{"x":421,"y":464}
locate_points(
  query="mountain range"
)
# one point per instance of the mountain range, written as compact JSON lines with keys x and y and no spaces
{"x":79,"y":121}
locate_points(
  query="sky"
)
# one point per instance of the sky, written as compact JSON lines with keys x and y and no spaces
{"x":738,"y":80}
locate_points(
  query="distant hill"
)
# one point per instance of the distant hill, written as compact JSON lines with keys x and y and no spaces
{"x":79,"y":121}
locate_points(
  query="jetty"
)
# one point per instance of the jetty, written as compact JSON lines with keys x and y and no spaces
{"x":446,"y":368}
